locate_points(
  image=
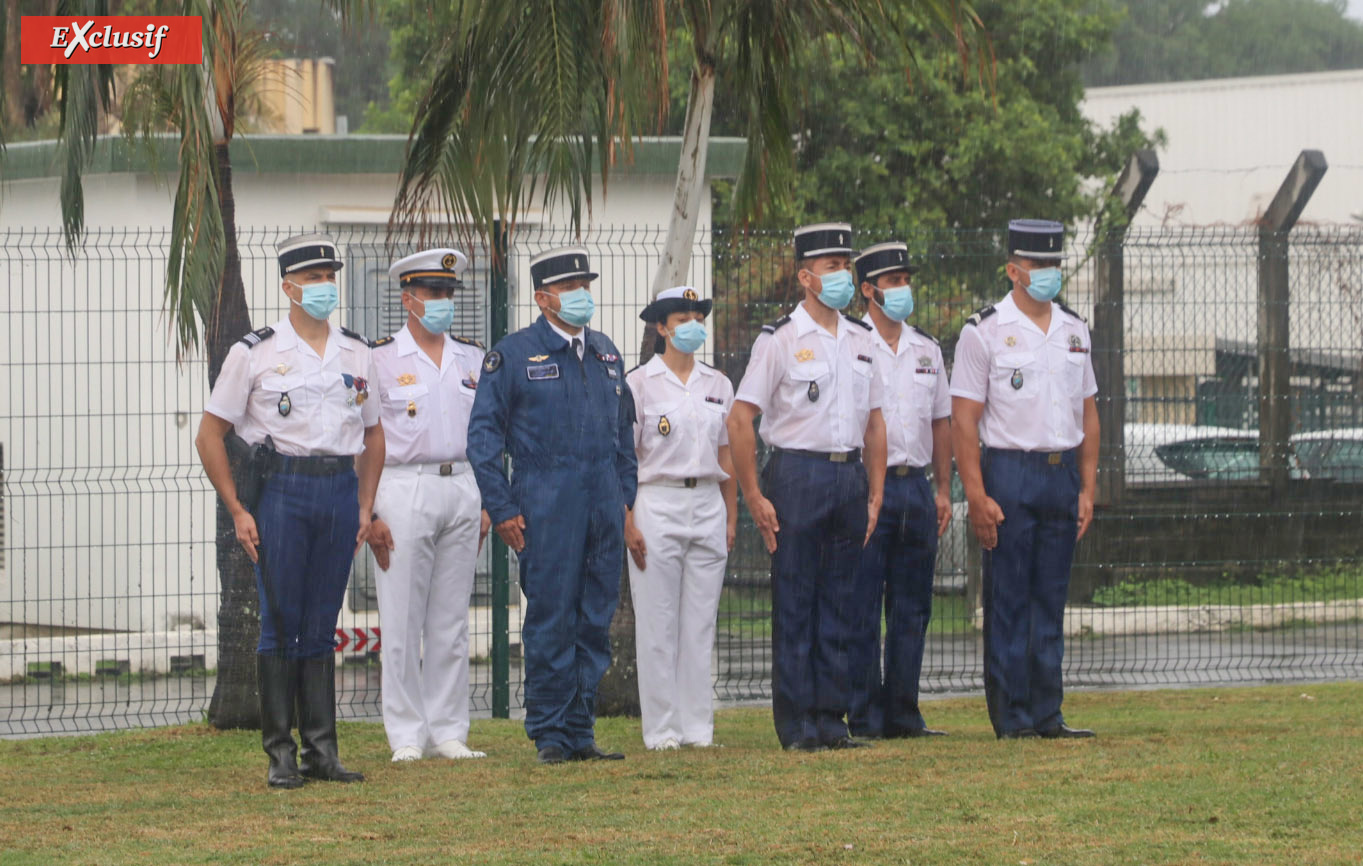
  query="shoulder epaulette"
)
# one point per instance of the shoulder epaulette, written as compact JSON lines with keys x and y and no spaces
{"x":382,"y":341}
{"x":469,"y":341}
{"x":771,"y":327}
{"x":355,"y":336}
{"x":1071,"y":312}
{"x":865,"y":324}
{"x":255,"y":338}
{"x":980,"y":315}
{"x":925,"y":333}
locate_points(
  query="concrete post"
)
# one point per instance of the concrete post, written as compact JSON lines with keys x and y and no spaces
{"x":1274,"y":338}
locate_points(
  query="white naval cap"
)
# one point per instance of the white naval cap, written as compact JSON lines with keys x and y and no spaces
{"x":434,"y":268}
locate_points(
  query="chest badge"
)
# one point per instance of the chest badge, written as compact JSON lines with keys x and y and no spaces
{"x":541,"y":371}
{"x":664,"y":426}
{"x":470,"y":383}
{"x":281,"y":369}
{"x":285,"y":404}
{"x":813,"y":392}
{"x":1077,"y":344}
{"x":535,"y":359}
{"x":1016,"y":381}
{"x":924,"y":361}
{"x":411,"y":408}
{"x":805,"y":355}
{"x":407,"y":379}
{"x":1010,"y":341}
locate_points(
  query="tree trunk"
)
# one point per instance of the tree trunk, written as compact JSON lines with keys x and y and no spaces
{"x":235,"y":703}
{"x":11,"y":78}
{"x":619,"y":691}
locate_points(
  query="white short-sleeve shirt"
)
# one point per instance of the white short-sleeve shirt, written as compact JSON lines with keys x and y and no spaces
{"x":815,"y":390}
{"x":679,"y":427}
{"x":425,"y":408}
{"x":916,"y":394}
{"x":307,"y":405}
{"x":1032,"y":385}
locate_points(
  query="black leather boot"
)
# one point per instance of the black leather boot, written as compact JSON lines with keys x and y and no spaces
{"x":317,"y":721}
{"x":277,"y":680}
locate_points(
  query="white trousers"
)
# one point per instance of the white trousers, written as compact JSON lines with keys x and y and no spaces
{"x":424,"y":594}
{"x":676,"y":599}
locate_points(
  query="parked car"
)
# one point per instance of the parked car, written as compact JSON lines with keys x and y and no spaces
{"x":1336,"y":454}
{"x":1157,"y":453}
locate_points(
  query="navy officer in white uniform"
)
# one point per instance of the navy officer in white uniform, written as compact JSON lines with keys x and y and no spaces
{"x":425,"y":382}
{"x":301,"y":387}
{"x":812,"y":378}
{"x":1025,"y":435}
{"x":682,"y":526}
{"x":897,"y":564}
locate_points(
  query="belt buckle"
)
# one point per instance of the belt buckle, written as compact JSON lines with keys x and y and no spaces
{"x":838,"y":457}
{"x":689,"y":482}
{"x":1053,"y":458}
{"x":901,"y":471}
{"x":446,"y":468}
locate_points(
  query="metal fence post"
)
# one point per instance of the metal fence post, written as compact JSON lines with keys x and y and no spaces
{"x":499,"y":311}
{"x":1275,"y":315}
{"x":1109,"y":328}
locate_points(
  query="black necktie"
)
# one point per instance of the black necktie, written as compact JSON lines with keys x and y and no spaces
{"x":577,"y":348}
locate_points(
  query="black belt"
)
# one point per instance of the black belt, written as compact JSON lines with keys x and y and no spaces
{"x":907,"y":471}
{"x":330,"y":465}
{"x":1044,"y":458}
{"x":853,"y":456}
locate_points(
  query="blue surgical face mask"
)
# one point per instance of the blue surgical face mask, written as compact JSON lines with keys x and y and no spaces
{"x":1045,"y":284}
{"x":439,"y":315}
{"x":898,"y":303}
{"x":836,"y":290}
{"x":576,"y":307}
{"x":688,"y":336}
{"x":319,"y":299}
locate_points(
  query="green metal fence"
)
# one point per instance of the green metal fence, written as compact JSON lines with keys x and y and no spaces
{"x":1202,"y":564}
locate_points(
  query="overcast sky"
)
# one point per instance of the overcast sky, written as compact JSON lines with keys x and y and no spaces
{"x":1356,"y":9}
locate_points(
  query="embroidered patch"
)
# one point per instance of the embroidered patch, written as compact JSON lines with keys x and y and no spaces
{"x":492,"y":362}
{"x":541,"y":371}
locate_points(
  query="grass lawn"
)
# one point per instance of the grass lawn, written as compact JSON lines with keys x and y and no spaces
{"x":1265,"y":775}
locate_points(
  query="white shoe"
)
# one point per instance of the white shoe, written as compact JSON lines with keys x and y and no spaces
{"x":455,"y":751}
{"x":406,"y":753}
{"x":668,"y":745}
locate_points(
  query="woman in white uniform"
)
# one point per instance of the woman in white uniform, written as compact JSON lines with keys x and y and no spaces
{"x":683,"y":522}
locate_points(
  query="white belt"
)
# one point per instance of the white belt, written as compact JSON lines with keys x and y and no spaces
{"x":454,"y":467}
{"x":681,"y":482}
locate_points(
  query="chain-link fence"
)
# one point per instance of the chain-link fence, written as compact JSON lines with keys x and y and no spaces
{"x":1204,"y":564}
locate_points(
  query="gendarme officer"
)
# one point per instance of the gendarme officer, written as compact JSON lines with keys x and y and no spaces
{"x":1025,"y":431}
{"x":298,"y":393}
{"x":812,"y":378}
{"x":553,"y":397}
{"x":897,"y":564}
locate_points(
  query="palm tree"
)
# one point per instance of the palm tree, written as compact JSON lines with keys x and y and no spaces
{"x":204,"y":293}
{"x":548,"y":91}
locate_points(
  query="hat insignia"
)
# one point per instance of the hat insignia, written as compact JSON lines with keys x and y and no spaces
{"x":841,"y":238}
{"x":577,"y":262}
{"x":689,"y":294}
{"x":447,"y":262}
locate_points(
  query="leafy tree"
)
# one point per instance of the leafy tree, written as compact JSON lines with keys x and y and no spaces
{"x":1180,"y":40}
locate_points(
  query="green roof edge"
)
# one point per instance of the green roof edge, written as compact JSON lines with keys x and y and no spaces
{"x":327,"y":154}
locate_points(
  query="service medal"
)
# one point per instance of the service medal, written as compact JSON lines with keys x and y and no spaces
{"x":1016,"y":381}
{"x":285,"y":406}
{"x":664,"y":426}
{"x":411,"y":408}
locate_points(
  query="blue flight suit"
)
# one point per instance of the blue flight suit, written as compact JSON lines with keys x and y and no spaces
{"x":567,"y":425}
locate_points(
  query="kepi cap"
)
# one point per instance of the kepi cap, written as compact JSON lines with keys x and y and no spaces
{"x":883,"y":258}
{"x":307,"y":251}
{"x":565,"y":263}
{"x":1036,"y":239}
{"x":823,"y":239}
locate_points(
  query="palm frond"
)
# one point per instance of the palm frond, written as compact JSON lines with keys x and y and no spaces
{"x":83,"y":91}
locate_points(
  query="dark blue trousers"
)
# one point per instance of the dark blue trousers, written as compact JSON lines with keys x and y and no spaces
{"x":897,"y":565}
{"x":570,"y":574}
{"x":821,"y":508}
{"x":1026,"y":581}
{"x":307,"y":526}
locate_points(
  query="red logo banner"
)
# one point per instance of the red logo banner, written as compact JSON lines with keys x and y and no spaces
{"x":111,"y":39}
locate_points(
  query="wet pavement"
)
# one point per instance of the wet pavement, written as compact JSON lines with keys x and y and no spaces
{"x":951,"y":666}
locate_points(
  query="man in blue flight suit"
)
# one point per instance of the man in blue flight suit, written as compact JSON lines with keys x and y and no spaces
{"x":552,"y":397}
